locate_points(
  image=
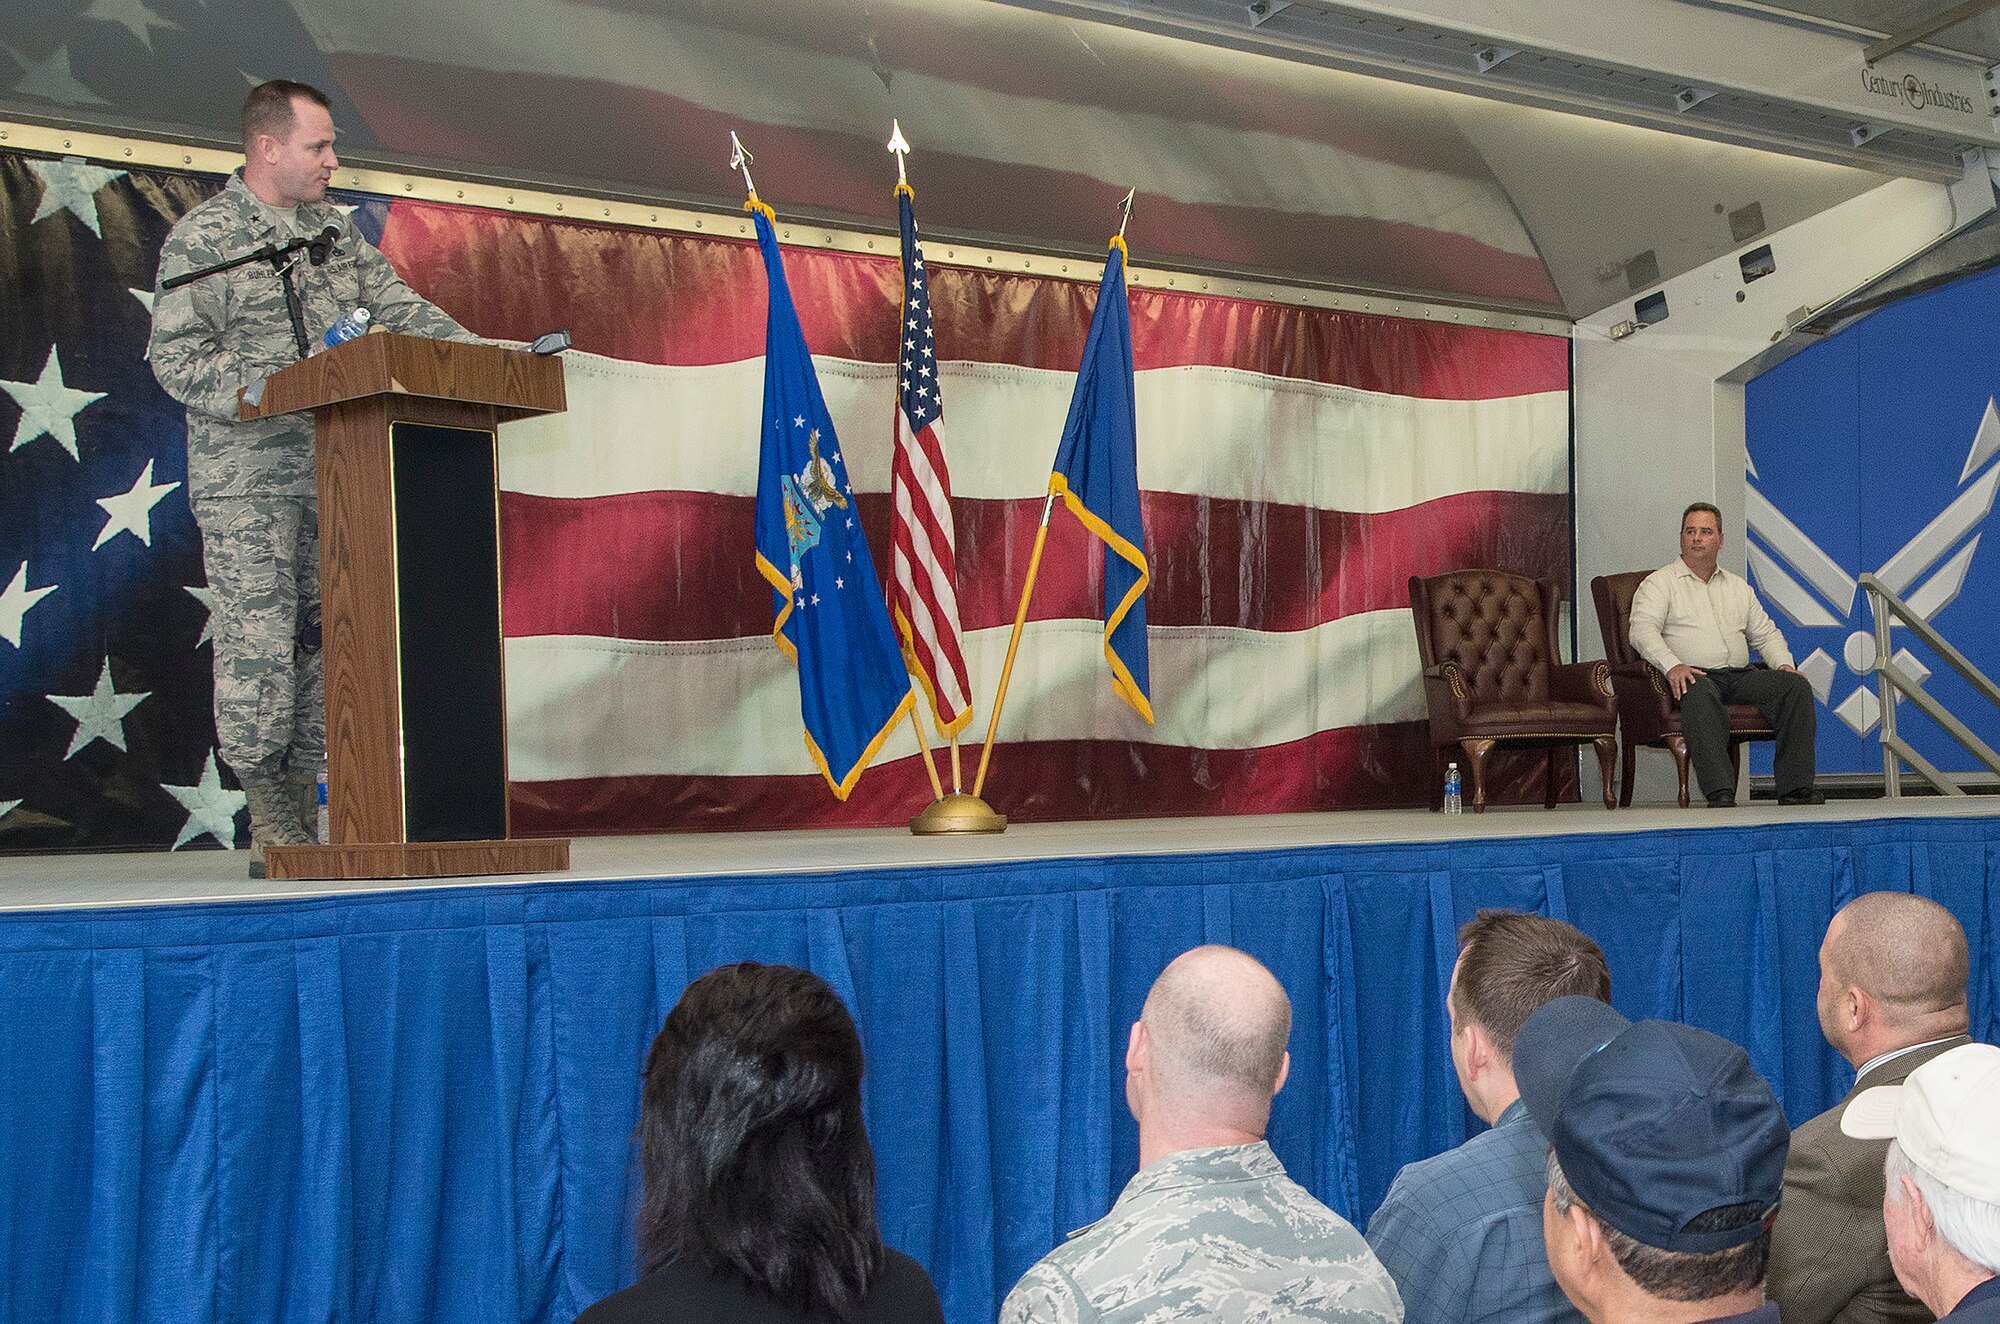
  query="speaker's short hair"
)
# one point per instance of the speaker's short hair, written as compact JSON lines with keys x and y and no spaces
{"x":268,"y":108}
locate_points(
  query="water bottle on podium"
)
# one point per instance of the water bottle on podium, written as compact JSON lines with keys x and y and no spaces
{"x":348,"y":327}
{"x":325,"y":820}
{"x":1453,"y":804}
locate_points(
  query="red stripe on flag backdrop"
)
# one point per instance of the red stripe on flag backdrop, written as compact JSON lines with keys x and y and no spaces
{"x":683,"y":300}
{"x":669,"y":566}
{"x":1038,"y":781}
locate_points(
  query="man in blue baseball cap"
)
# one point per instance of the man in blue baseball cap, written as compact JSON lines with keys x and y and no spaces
{"x":1666,"y":1165}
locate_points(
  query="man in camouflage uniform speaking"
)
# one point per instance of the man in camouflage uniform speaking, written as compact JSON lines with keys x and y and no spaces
{"x":251,"y":484}
{"x":1210,"y":1227}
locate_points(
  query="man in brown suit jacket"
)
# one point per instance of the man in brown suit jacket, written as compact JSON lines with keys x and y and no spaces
{"x":1891,"y":997}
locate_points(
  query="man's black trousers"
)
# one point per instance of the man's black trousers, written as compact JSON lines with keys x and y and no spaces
{"x":1786,"y":698}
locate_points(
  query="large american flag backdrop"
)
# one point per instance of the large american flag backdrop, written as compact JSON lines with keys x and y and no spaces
{"x":1297,"y":467}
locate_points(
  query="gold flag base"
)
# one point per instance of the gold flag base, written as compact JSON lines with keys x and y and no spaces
{"x":957,"y":813}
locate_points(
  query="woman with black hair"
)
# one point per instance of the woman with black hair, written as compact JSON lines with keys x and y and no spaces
{"x":758,"y":1189}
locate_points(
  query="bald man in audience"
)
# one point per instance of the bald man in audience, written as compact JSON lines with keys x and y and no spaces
{"x":1210,"y":1227}
{"x":1891,"y":997}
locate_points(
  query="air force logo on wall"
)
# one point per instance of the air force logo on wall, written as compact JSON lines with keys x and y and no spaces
{"x":1816,"y":594}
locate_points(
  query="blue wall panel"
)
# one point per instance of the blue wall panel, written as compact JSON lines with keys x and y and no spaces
{"x":1870,"y":445}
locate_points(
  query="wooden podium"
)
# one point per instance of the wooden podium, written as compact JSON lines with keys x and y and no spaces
{"x":409,"y":572}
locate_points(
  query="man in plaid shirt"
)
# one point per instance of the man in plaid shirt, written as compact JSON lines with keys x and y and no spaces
{"x":1461,"y":1233}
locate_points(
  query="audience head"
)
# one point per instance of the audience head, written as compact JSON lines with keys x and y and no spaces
{"x":1942,"y":1203}
{"x":1509,"y":964}
{"x":288,"y":155}
{"x":1208,"y":1052}
{"x":755,"y":1156}
{"x":1892,"y":973}
{"x":1666,"y":1160}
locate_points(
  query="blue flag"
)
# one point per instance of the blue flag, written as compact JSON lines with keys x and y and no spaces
{"x":831,"y":620}
{"x":1097,"y":475}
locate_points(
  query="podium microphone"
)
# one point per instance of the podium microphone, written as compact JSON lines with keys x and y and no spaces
{"x":322,"y":245}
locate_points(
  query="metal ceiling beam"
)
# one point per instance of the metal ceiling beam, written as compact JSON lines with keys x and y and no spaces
{"x":1924,"y":31}
{"x":1715,"y":71}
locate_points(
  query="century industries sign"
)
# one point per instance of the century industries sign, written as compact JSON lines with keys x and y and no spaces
{"x":1922,"y":94}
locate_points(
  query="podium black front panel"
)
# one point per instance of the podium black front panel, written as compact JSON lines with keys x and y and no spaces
{"x":448,"y":604}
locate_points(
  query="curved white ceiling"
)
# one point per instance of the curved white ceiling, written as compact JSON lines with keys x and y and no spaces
{"x":1027,"y":128}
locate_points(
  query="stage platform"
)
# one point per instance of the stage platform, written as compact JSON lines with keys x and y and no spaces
{"x":232,"y":1100}
{"x":85,"y":881}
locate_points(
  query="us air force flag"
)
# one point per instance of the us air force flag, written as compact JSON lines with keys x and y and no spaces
{"x":831,"y":620}
{"x":1097,"y":475}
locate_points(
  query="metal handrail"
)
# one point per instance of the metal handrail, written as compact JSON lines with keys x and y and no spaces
{"x":1894,"y":684}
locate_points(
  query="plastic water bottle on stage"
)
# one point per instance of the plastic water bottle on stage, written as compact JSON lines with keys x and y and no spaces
{"x":348,"y":327}
{"x":325,"y":824}
{"x":1452,"y":803}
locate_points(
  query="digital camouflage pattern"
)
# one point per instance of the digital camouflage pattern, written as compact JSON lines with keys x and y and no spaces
{"x":220,"y":334}
{"x":251,"y":484}
{"x":1213,"y":1234}
{"x":262,"y":558}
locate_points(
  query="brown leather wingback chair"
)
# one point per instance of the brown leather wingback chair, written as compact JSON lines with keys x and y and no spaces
{"x":1492,"y":676}
{"x":1647,"y":713}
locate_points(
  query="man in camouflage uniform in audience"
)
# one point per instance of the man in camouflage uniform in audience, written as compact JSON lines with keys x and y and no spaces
{"x":251,"y":484}
{"x":1210,"y":1227}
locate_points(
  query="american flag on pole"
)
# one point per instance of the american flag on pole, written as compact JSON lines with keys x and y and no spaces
{"x":923,"y":558}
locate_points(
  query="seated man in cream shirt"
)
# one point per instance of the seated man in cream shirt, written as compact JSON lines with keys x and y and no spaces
{"x":1697,"y":623}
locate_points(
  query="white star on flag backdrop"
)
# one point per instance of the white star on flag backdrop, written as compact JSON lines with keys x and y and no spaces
{"x":100,"y":715}
{"x":72,"y":186}
{"x":131,"y":15}
{"x":48,"y":406}
{"x":206,"y":597}
{"x":15,"y":602}
{"x":51,"y":79}
{"x":131,"y":511}
{"x":211,"y":808}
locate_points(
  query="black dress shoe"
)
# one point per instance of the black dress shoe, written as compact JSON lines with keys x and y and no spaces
{"x":1722,"y":799}
{"x":1808,"y":796}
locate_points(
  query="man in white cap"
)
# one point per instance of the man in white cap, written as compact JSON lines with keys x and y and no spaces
{"x":1942,"y":1208}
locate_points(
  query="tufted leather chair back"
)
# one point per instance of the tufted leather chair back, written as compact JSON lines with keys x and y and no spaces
{"x":1614,"y":595}
{"x":1499,"y":629}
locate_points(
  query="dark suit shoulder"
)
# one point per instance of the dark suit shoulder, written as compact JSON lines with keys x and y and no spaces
{"x":1829,"y":1256}
{"x":1979,"y":1312}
